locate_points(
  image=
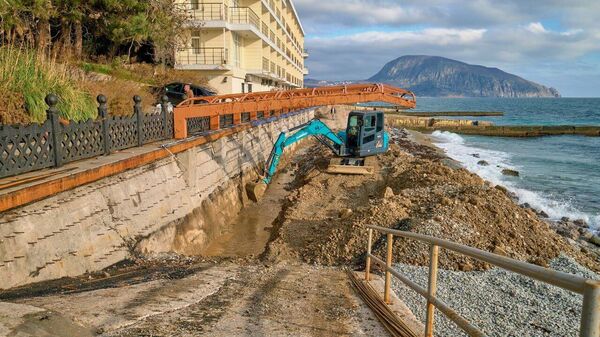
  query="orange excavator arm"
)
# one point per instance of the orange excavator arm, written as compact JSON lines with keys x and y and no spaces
{"x":273,"y":103}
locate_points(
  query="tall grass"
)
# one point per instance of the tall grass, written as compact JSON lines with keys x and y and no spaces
{"x":29,"y":75}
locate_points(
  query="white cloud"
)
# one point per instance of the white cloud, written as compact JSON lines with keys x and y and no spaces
{"x":537,"y":28}
{"x":438,"y":36}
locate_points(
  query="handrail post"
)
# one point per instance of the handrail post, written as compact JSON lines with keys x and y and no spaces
{"x":432,"y":289}
{"x":103,"y":114}
{"x":388,"y":264}
{"x":52,"y":114}
{"x":368,"y":266}
{"x":590,"y":314}
{"x":137,"y":110}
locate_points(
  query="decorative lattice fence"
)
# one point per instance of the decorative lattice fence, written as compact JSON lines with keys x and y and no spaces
{"x":56,"y":142}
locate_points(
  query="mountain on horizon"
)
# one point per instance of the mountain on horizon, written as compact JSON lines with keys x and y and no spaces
{"x":437,"y":76}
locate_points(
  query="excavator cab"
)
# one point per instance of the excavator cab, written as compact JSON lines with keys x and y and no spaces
{"x":365,"y":134}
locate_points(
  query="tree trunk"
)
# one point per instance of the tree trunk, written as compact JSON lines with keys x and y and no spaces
{"x":78,"y":39}
{"x":65,"y":38}
{"x":43,"y":37}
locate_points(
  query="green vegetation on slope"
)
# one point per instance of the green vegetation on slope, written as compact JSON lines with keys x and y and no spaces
{"x":26,"y":77}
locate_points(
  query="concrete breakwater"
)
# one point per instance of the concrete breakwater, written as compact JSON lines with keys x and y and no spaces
{"x":175,"y":204}
{"x":484,"y":128}
{"x":401,"y":111}
{"x":432,"y":123}
{"x":452,"y":113}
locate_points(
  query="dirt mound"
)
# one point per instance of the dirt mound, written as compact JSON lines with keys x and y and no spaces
{"x":325,"y":220}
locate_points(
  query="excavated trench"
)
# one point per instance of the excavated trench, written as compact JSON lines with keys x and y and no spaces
{"x":249,"y":232}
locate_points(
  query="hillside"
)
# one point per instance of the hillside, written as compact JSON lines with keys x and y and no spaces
{"x":438,"y":76}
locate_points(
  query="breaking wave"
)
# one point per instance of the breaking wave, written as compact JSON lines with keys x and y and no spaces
{"x":456,"y":148}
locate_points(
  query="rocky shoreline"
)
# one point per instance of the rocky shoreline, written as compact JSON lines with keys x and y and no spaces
{"x":576,"y":231}
{"x":418,"y":189}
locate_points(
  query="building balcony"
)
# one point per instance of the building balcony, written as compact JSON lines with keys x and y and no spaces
{"x":244,"y":15}
{"x":205,"y":11}
{"x":305,"y":53}
{"x":305,"y":71}
{"x":218,"y":15}
{"x":202,"y":58}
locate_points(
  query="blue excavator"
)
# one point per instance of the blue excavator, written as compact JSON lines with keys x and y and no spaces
{"x":365,"y":136}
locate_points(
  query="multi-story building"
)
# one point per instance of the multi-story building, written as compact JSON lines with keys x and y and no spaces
{"x":243,"y":45}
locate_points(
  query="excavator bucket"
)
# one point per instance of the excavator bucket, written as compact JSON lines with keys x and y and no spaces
{"x":256,"y":190}
{"x":352,"y":166}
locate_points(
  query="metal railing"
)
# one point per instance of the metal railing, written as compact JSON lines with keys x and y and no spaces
{"x":590,"y":289}
{"x":205,"y":11}
{"x":265,"y":30}
{"x":202,"y":56}
{"x":245,"y":15}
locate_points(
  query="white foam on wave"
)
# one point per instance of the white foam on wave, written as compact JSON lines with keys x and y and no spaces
{"x":455,"y":147}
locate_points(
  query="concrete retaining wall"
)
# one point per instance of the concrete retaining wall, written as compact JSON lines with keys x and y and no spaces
{"x":174,"y":204}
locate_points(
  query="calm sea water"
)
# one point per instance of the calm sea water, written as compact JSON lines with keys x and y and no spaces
{"x":559,"y":175}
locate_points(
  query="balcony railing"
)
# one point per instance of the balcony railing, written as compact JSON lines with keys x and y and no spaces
{"x":265,"y":64}
{"x":245,"y":15}
{"x":265,"y":29}
{"x":202,"y":56}
{"x":205,"y":11}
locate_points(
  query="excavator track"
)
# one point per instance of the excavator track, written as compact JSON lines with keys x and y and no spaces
{"x":359,"y":166}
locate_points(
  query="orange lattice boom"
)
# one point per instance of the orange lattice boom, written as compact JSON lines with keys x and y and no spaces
{"x":274,"y":103}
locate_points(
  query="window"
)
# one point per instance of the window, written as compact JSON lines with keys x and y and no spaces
{"x":243,"y":88}
{"x":380,"y":122}
{"x":195,"y":4}
{"x":174,"y":88}
{"x":196,"y":42}
{"x":249,"y":87}
{"x":370,"y":123}
{"x":236,"y":49}
{"x":368,"y":139}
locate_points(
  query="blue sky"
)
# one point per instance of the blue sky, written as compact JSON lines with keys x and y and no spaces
{"x":552,"y":42}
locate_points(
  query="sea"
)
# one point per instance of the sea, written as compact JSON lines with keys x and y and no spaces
{"x":559,"y":175}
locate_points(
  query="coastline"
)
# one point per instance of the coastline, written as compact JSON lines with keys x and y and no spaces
{"x":576,"y":231}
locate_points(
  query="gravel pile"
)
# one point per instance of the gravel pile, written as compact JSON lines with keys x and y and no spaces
{"x":499,"y":302}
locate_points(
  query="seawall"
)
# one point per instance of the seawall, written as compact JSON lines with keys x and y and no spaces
{"x":174,"y":204}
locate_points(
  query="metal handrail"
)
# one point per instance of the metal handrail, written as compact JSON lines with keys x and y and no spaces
{"x":206,"y":11}
{"x":216,"y":56}
{"x":590,"y":289}
{"x":245,"y":15}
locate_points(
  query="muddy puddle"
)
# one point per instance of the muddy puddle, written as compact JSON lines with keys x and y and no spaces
{"x":249,"y":233}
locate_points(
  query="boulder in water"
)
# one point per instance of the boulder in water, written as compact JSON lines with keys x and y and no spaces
{"x":483,"y":163}
{"x":509,"y":172}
